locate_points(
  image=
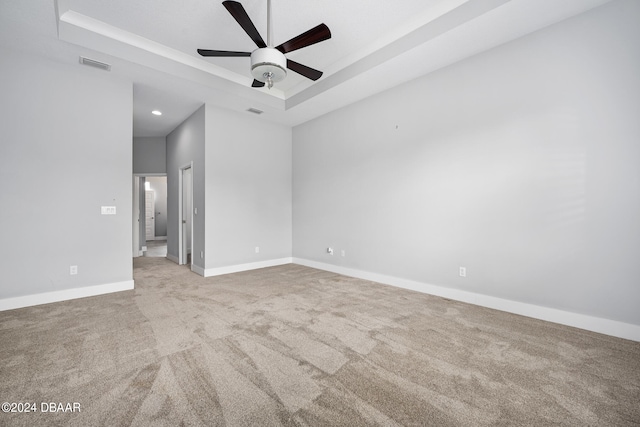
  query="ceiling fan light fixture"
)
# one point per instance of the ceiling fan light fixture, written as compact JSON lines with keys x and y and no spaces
{"x":268,"y":65}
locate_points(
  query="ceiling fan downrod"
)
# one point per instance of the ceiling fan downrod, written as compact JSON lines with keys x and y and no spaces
{"x":268,"y":65}
{"x":268,"y":76}
{"x":269,"y":26}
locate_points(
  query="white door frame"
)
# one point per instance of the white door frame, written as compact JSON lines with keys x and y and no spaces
{"x":182,"y":257}
{"x":135,"y":249}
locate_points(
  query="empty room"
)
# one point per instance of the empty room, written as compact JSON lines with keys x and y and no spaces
{"x":298,"y":213}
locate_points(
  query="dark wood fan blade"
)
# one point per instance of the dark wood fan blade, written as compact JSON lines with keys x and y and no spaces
{"x":237,"y":11}
{"x":257,"y":83}
{"x":303,"y":70}
{"x":207,"y":52}
{"x":313,"y":36}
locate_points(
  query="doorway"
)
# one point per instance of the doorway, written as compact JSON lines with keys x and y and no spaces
{"x":157,"y":210}
{"x":156,"y":216}
{"x":185,"y":220}
{"x":150,"y":215}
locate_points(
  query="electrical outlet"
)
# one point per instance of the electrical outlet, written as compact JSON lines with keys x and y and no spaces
{"x":343,"y":253}
{"x":201,"y":254}
{"x":73,"y":270}
{"x":257,"y":249}
{"x":463,"y":271}
{"x":330,"y":251}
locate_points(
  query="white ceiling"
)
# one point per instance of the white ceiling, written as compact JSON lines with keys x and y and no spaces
{"x":375,"y":45}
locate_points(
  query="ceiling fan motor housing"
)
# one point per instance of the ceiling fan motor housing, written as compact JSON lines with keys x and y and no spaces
{"x":268,"y":61}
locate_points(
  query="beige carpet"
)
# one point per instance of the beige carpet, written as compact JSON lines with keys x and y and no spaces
{"x":292,"y":345}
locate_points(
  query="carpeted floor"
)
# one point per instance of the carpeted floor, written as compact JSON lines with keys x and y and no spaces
{"x":291,"y":345}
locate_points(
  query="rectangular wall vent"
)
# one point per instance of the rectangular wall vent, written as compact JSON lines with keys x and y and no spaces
{"x":94,"y":63}
{"x":255,"y":111}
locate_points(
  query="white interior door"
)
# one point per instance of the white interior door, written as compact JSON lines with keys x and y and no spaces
{"x":187,"y":202}
{"x":149,"y":214}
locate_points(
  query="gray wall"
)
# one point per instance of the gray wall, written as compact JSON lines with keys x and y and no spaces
{"x":65,"y":152}
{"x":248,"y":189}
{"x":246,"y":166}
{"x":149,"y":155}
{"x":185,"y":144}
{"x":520,"y":164}
{"x":159,"y":185}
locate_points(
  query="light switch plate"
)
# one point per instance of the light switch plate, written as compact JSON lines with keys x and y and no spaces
{"x":108,"y":210}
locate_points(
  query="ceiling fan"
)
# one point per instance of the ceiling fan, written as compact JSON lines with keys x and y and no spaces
{"x":268,"y":63}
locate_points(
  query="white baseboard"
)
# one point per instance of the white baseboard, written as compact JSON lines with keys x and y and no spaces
{"x":582,"y":321}
{"x":160,"y":238}
{"x":246,"y":267}
{"x":64,"y":295}
{"x":197,"y":269}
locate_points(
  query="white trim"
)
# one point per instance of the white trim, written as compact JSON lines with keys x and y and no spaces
{"x":135,"y":219}
{"x":161,"y":238}
{"x":181,"y":255}
{"x":590,"y":323}
{"x":246,"y":267}
{"x":197,"y":269}
{"x":144,"y":174}
{"x":173,"y":258}
{"x":64,"y":295}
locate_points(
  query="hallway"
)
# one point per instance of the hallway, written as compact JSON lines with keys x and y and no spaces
{"x":155,"y":249}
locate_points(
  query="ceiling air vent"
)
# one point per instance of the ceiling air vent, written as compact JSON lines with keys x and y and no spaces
{"x":94,"y":63}
{"x":255,"y":111}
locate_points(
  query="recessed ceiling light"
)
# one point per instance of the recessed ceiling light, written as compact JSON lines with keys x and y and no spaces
{"x":156,"y":112}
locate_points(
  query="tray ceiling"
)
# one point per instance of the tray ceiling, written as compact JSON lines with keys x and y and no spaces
{"x":375,"y":45}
